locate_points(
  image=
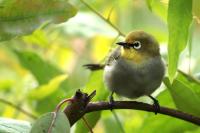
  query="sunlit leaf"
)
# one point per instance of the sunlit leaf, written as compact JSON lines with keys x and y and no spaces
{"x":61,"y":124}
{"x":101,"y":47}
{"x":42,"y":70}
{"x":45,"y":90}
{"x":23,"y":17}
{"x":179,"y":19}
{"x":186,"y":93}
{"x":5,"y":84}
{"x":159,"y":8}
{"x":14,"y":126}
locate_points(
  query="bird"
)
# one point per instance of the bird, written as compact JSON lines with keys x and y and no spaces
{"x":134,"y":68}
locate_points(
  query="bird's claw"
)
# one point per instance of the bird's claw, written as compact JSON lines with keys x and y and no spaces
{"x":111,"y":101}
{"x":156,"y":105}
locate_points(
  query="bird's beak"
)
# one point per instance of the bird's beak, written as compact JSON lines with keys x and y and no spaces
{"x":121,"y":43}
{"x":124,"y":44}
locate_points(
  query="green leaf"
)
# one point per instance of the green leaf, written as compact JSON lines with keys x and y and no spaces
{"x":108,"y":118}
{"x":42,"y":70}
{"x":91,"y":118}
{"x":158,"y":7}
{"x":14,"y":126}
{"x":155,"y":123}
{"x":22,"y":17}
{"x":179,"y":19}
{"x":46,"y":90}
{"x":95,"y":82}
{"x":61,"y":124}
{"x":186,"y":93}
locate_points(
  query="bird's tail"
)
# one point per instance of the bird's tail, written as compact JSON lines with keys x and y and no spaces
{"x":94,"y":67}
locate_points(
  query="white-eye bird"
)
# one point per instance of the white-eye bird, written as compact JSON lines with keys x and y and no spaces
{"x":135,"y":68}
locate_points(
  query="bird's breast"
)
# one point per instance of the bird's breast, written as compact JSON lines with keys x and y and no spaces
{"x":133,"y":80}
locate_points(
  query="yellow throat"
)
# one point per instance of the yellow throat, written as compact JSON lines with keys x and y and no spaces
{"x":133,"y":55}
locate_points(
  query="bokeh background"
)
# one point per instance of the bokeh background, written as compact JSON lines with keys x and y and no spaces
{"x":40,"y":69}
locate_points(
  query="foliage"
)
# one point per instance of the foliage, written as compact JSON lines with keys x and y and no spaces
{"x":61,"y":124}
{"x":44,"y":43}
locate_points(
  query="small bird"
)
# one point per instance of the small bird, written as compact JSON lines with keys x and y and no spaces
{"x":134,"y":68}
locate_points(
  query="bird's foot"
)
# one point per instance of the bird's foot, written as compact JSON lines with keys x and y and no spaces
{"x":155,"y":104}
{"x":111,"y":101}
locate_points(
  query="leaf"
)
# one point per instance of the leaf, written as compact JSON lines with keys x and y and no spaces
{"x":91,"y":118}
{"x":95,"y":82}
{"x":61,"y":124}
{"x":108,"y":118}
{"x":45,"y":90}
{"x":186,"y":93}
{"x":158,"y":7}
{"x":14,"y":126}
{"x":179,"y":19}
{"x":153,"y":123}
{"x":42,"y":70}
{"x":21,"y":17}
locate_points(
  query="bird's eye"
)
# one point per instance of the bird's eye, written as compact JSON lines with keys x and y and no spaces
{"x":136,"y":45}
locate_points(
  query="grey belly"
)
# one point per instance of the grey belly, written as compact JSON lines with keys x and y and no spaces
{"x":128,"y":80}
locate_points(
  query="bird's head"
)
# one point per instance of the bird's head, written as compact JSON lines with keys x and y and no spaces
{"x":139,"y":46}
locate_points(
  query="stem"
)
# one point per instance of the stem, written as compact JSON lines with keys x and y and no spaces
{"x":118,"y":121}
{"x":18,"y":108}
{"x":56,"y":112}
{"x":87,"y":124}
{"x":104,"y":19}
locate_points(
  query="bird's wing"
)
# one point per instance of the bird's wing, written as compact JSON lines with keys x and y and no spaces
{"x":115,"y":55}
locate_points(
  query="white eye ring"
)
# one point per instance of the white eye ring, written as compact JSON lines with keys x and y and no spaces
{"x":137,"y":45}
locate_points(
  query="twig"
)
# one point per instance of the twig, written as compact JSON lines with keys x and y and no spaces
{"x":55,"y":113}
{"x":87,"y":124}
{"x":104,"y":19}
{"x":18,"y":108}
{"x":91,"y":107}
{"x":118,"y":121}
{"x":110,"y":13}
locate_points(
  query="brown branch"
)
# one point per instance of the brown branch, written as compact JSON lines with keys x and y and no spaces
{"x":81,"y":106}
{"x":18,"y":108}
{"x":91,"y":107}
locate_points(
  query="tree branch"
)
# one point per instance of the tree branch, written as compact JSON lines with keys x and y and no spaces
{"x":104,"y":19}
{"x":18,"y":108}
{"x":81,"y":105}
{"x":91,"y":107}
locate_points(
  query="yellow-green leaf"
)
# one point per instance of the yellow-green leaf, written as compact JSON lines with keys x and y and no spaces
{"x":179,"y":19}
{"x":21,"y":17}
{"x":185,"y":92}
{"x":46,"y":90}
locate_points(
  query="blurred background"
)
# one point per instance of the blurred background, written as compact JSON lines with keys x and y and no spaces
{"x":39,"y":70}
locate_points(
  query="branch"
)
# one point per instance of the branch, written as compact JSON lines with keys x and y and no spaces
{"x":104,"y":19}
{"x":91,"y":107}
{"x":18,"y":108}
{"x":81,"y":105}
